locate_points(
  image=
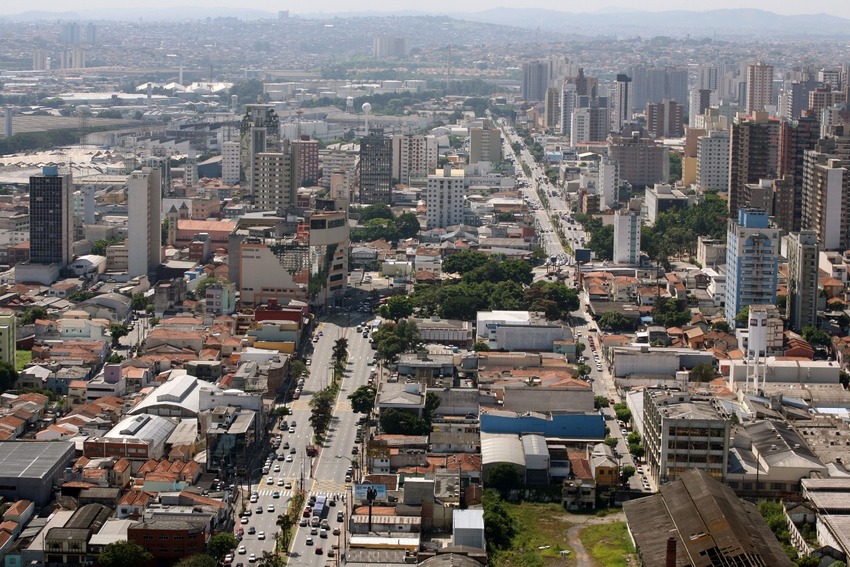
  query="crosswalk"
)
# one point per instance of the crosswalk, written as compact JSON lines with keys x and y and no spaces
{"x":270,"y":491}
{"x":300,"y":405}
{"x":328,"y":487}
{"x":343,"y":405}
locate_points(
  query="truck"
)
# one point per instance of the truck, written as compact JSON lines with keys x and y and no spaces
{"x":312,"y":451}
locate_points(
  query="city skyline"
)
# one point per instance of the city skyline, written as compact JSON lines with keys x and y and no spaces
{"x":330,"y":7}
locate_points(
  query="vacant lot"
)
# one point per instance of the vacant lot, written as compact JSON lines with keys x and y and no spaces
{"x":608,"y":544}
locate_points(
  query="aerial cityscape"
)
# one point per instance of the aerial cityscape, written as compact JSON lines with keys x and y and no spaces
{"x":510,"y":287}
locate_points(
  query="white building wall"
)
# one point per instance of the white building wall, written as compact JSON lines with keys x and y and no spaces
{"x":144,"y":240}
{"x":713,"y":160}
{"x":230,"y":156}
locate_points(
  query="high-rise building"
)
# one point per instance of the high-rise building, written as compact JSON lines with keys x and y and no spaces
{"x":700,"y":100}
{"x":190,"y":169}
{"x":230,"y":154}
{"x":642,"y":160}
{"x":552,"y":107}
{"x":665,"y":119}
{"x":376,"y":168}
{"x":73,"y":58}
{"x":485,"y":144}
{"x":590,"y":121}
{"x":609,"y":182}
{"x":654,"y":84}
{"x":305,"y":161}
{"x":91,"y":33}
{"x":826,"y":196}
{"x":414,"y":156}
{"x":759,"y":87}
{"x":338,"y":172}
{"x":713,"y":160}
{"x":825,"y":97}
{"x":70,"y":33}
{"x":535,"y":79}
{"x":274,"y":187}
{"x":623,"y":104}
{"x":384,"y":47}
{"x":627,"y":237}
{"x":707,"y":78}
{"x":144,"y":231}
{"x":753,"y":154}
{"x":568,"y":104}
{"x":8,"y":337}
{"x":51,"y":225}
{"x":40,"y":60}
{"x":259,"y":132}
{"x":444,"y":198}
{"x":831,"y":77}
{"x":795,"y":137}
{"x":801,"y":308}
{"x":752,"y":262}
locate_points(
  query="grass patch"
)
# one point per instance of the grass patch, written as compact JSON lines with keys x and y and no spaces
{"x":538,"y":526}
{"x":22,"y":358}
{"x":608,"y":544}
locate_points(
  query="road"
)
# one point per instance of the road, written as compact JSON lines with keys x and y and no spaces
{"x":324,"y":474}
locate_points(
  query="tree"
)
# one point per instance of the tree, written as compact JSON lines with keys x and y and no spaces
{"x":31,"y":314}
{"x":480,"y":346}
{"x":297,"y":369}
{"x":628,"y":472}
{"x":117,"y":331}
{"x":221,"y":544}
{"x":516,"y":271}
{"x":844,"y":378}
{"x":363,"y":399}
{"x":464,"y":262}
{"x":611,"y":442}
{"x":614,"y":321}
{"x":340,"y":349}
{"x":499,"y":526}
{"x":270,"y":559}
{"x":702,"y":373}
{"x":201,"y":290}
{"x":583,"y":369}
{"x":722,"y":327}
{"x":504,"y":216}
{"x":198,"y":560}
{"x":321,"y":405}
{"x":432,"y":402}
{"x":140,"y":301}
{"x":397,"y":422}
{"x":392,"y":339}
{"x":397,"y":307}
{"x":600,"y":402}
{"x":114,"y":358}
{"x":743,"y":317}
{"x":376,"y":211}
{"x":408,"y":225}
{"x":285,"y":523}
{"x":123,"y":554}
{"x":602,"y":242}
{"x":816,"y":337}
{"x":503,"y":477}
{"x":623,"y":412}
{"x":671,"y":312}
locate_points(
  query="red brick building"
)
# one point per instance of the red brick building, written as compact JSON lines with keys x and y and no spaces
{"x":170,"y":540}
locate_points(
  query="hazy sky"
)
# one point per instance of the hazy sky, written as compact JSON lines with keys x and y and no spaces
{"x":838,"y":8}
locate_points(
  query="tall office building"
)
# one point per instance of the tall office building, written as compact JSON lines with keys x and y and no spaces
{"x":8,"y":337}
{"x":826,"y":196}
{"x":627,"y":237}
{"x":535,"y":79}
{"x":590,"y":121}
{"x":444,"y":198}
{"x":70,"y":33}
{"x":230,"y":163}
{"x":414,"y":156}
{"x":485,"y":144}
{"x":609,"y":182}
{"x":752,"y":262}
{"x":51,"y":225}
{"x":144,"y":231}
{"x":753,"y":154}
{"x":665,"y":119}
{"x":759,"y":87}
{"x":384,"y":47}
{"x":338,"y":172}
{"x":552,"y":107}
{"x":568,"y":104}
{"x":273,"y":180}
{"x":713,"y":160}
{"x":623,"y":104}
{"x":305,"y":161}
{"x":376,"y":168}
{"x":801,"y":307}
{"x":654,"y":84}
{"x":795,"y":137}
{"x":642,"y":160}
{"x":259,"y":132}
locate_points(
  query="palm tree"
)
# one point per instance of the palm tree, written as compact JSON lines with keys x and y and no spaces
{"x":285,"y":523}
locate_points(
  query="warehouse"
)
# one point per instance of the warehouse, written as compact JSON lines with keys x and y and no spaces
{"x":28,"y":469}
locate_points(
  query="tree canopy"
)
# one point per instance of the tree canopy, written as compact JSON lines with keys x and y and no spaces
{"x":399,"y":422}
{"x":671,"y":312}
{"x":675,"y":231}
{"x":397,"y":307}
{"x":123,"y":554}
{"x":363,"y":399}
{"x":378,"y":222}
{"x":221,"y":544}
{"x":392,"y":339}
{"x":198,"y":560}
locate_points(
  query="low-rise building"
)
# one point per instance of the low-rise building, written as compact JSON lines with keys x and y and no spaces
{"x":519,"y":330}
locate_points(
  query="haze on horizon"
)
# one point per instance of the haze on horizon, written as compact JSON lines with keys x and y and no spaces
{"x":785,"y":7}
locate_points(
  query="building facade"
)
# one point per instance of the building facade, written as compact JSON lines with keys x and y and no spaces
{"x":753,"y":154}
{"x":759,"y":87}
{"x":144,"y":228}
{"x":801,"y":305}
{"x":752,"y":262}
{"x":51,"y":222}
{"x":376,"y":172}
{"x":713,"y":160}
{"x":626,"y":237}
{"x":485,"y":144}
{"x":444,"y":199}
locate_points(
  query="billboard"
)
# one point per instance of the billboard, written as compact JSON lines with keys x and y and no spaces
{"x":360,"y":491}
{"x":582,"y":255}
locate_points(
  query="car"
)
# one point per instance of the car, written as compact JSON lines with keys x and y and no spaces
{"x":307,"y":512}
{"x":281,"y":457}
{"x":261,"y":535}
{"x":340,"y":516}
{"x":270,"y":480}
{"x":292,"y":451}
{"x":316,"y":339}
{"x":242,"y":550}
{"x":254,"y":499}
{"x":319,"y":551}
{"x":331,"y":552}
{"x":286,"y":445}
{"x":308,"y":362}
{"x":325,"y":524}
{"x":355,"y":450}
{"x":336,"y":531}
{"x":271,"y":508}
{"x":259,"y":510}
{"x":228,"y":559}
{"x":289,"y":458}
{"x":323,"y":533}
{"x":309,"y":541}
{"x":252,"y":558}
{"x":252,"y":530}
{"x":293,"y":424}
{"x":292,"y":429}
{"x":287,"y":485}
{"x":314,"y":531}
{"x":348,"y":478}
{"x":240,"y":532}
{"x":280,"y":482}
{"x":275,"y":494}
{"x":303,"y":522}
{"x":244,"y":520}
{"x":277,"y":468}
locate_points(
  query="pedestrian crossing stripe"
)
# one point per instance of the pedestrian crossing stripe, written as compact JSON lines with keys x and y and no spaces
{"x":283,"y":493}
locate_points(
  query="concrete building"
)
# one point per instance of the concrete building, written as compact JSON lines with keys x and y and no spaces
{"x":468,"y":528}
{"x":29,"y":470}
{"x":590,"y":121}
{"x":626,"y":237}
{"x":609,"y":182}
{"x":663,"y":197}
{"x":51,"y":227}
{"x":643,"y":161}
{"x":665,"y":119}
{"x":259,"y":133}
{"x":753,"y":154}
{"x":713,"y":161}
{"x":759,"y":87}
{"x":485,"y":144}
{"x":519,"y":330}
{"x":272,"y":182}
{"x":230,"y":161}
{"x":568,"y":102}
{"x":795,"y":138}
{"x":752,"y":262}
{"x":338,"y":169}
{"x":8,"y":336}
{"x":710,"y":251}
{"x":144,"y":229}
{"x":682,"y":432}
{"x":622,"y":103}
{"x":801,"y":305}
{"x":376,"y":173}
{"x":414,"y":156}
{"x":444,"y":198}
{"x":305,"y":161}
{"x":384,"y":47}
{"x":535,"y":79}
{"x":654,"y":84}
{"x":826,"y":197}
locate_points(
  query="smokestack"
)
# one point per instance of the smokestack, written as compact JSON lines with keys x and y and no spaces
{"x":670,"y":557}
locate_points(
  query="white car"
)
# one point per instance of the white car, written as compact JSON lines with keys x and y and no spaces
{"x":270,"y":480}
{"x":242,"y":550}
{"x":292,"y":429}
{"x":254,"y":498}
{"x":261,"y":535}
{"x":280,"y":482}
{"x":277,"y":468}
{"x":252,"y":558}
{"x":289,"y":458}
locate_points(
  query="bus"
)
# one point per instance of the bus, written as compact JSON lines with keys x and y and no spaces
{"x":320,"y":507}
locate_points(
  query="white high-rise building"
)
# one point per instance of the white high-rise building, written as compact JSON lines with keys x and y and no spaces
{"x":627,"y":237}
{"x":580,"y":122}
{"x":623,"y":102}
{"x":444,"y":198}
{"x":144,"y":233}
{"x":230,"y":158}
{"x":713,"y":160}
{"x":414,"y":156}
{"x":568,"y":104}
{"x":609,"y":181}
{"x":273,"y":181}
{"x":752,"y":262}
{"x":759,"y":87}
